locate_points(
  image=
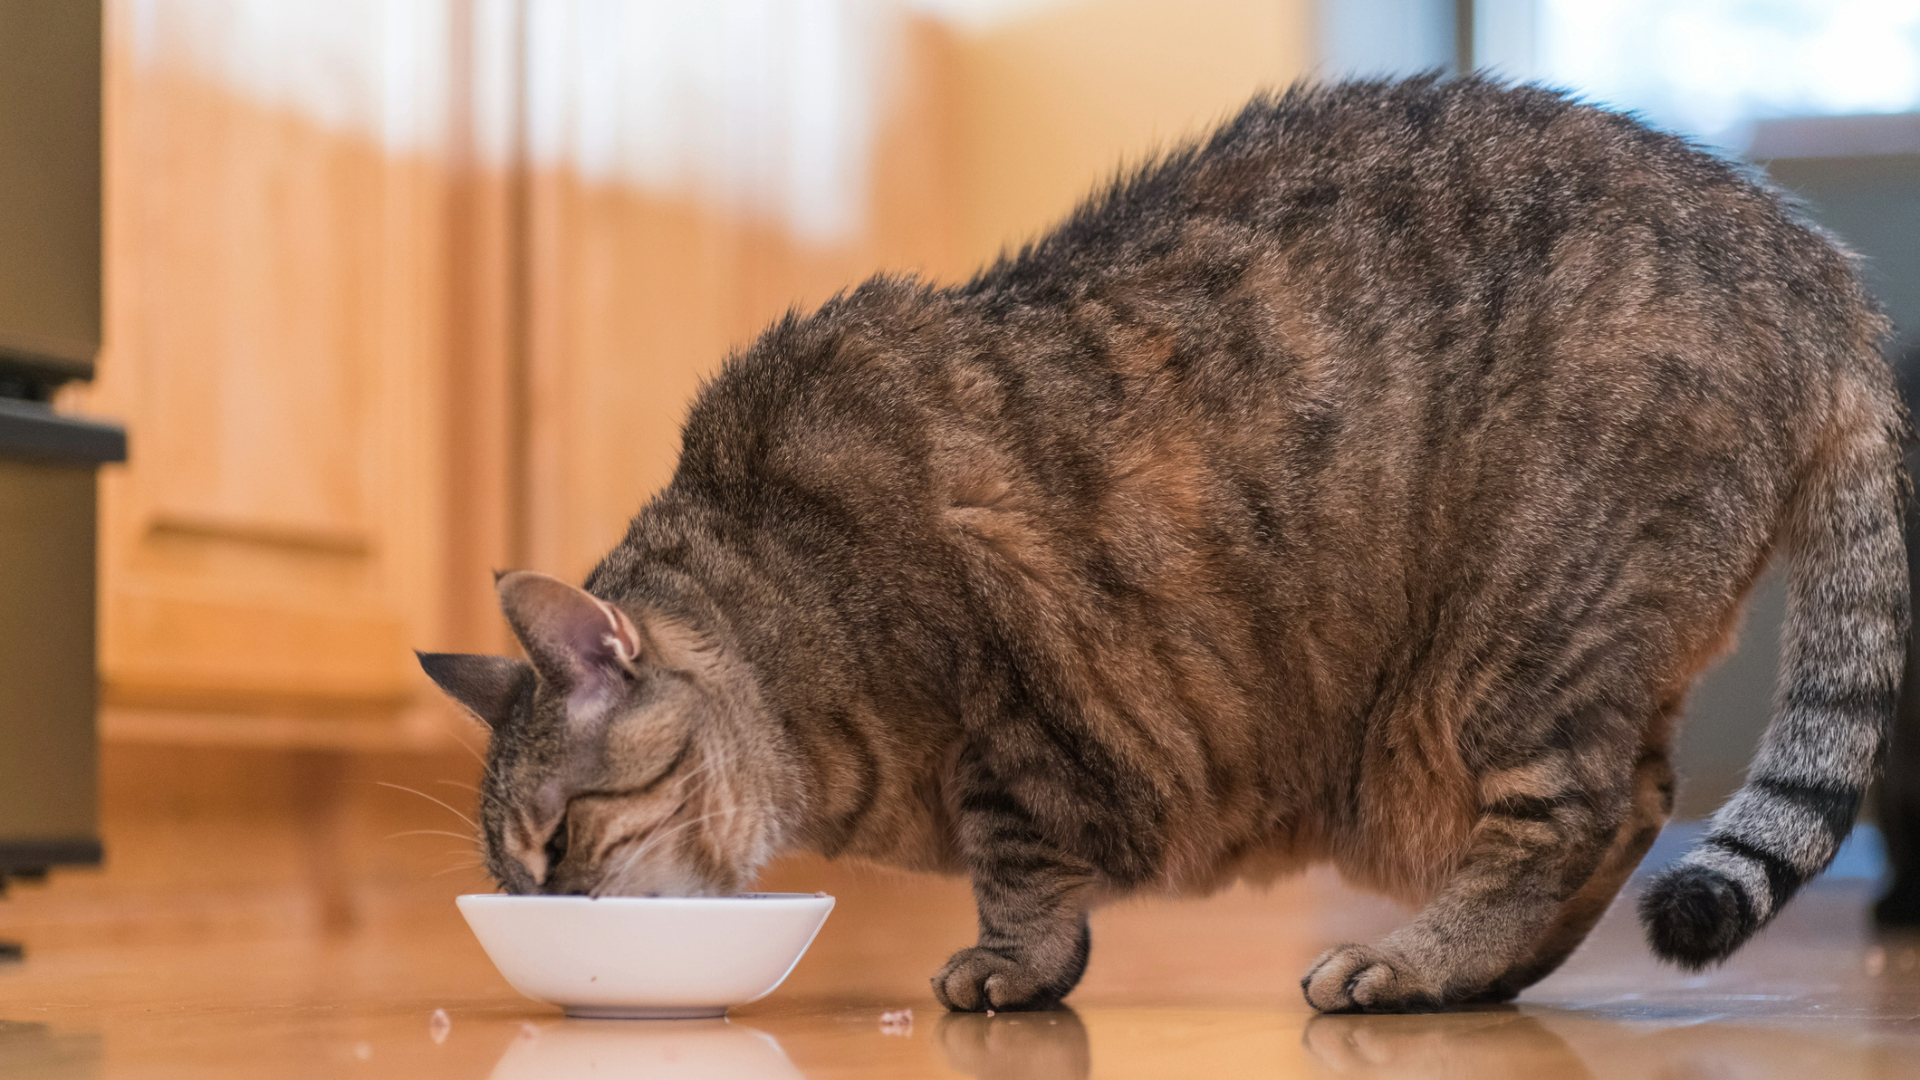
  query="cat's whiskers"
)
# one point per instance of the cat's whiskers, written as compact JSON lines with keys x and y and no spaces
{"x":431,"y":832}
{"x":464,"y":745}
{"x":685,"y":778}
{"x":466,"y":860}
{"x":438,"y":802}
{"x":657,"y":837}
{"x":640,"y":851}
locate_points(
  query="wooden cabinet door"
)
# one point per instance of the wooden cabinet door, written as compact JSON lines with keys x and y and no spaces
{"x":274,"y":308}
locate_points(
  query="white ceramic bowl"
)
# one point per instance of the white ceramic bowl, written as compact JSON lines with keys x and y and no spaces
{"x":646,"y":957}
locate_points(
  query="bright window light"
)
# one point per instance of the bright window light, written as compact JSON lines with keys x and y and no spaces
{"x":1710,"y":68}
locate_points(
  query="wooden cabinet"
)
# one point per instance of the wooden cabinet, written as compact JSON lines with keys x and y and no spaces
{"x":371,"y":342}
{"x":275,"y":318}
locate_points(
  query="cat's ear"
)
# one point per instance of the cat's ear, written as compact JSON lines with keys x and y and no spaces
{"x":486,"y":685}
{"x":578,"y":642}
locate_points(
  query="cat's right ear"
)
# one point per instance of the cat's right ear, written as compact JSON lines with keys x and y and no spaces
{"x":486,"y":686}
{"x":581,"y":645}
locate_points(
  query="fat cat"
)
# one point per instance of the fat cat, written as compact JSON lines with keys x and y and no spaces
{"x":1365,"y":483}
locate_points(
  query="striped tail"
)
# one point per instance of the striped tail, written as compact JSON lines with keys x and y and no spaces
{"x":1844,"y":650}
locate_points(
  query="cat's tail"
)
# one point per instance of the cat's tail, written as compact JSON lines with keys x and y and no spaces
{"x":1843,"y":653}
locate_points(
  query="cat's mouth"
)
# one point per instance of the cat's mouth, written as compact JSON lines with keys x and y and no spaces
{"x":556,"y":850}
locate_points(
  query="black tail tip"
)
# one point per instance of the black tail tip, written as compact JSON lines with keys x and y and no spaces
{"x":1695,"y":917}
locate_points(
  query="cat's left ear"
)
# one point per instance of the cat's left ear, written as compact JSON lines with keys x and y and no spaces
{"x":578,"y":642}
{"x":486,"y":685}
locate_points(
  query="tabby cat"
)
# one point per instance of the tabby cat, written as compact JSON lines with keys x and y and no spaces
{"x":1365,"y":483}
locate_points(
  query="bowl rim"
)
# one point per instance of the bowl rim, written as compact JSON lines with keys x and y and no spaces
{"x":742,"y":900}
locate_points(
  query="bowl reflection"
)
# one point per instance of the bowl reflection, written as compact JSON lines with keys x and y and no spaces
{"x":656,"y":1049}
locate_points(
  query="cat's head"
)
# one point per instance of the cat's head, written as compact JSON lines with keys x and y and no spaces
{"x":623,"y":760}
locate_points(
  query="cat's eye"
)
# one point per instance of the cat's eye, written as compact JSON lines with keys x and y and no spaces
{"x":557,"y":845}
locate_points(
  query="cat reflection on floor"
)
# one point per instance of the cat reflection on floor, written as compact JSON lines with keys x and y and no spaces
{"x":1046,"y":1045}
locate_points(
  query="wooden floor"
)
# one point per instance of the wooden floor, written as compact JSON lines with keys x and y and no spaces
{"x":1199,"y":989}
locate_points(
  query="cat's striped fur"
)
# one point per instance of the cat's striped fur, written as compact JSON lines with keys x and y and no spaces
{"x":1364,"y":484}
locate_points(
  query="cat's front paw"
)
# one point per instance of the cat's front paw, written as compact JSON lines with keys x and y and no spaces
{"x":977,"y":979}
{"x":1361,"y":978}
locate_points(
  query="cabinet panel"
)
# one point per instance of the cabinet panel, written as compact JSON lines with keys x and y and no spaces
{"x":46,"y":587}
{"x":255,"y":648}
{"x":275,"y":321}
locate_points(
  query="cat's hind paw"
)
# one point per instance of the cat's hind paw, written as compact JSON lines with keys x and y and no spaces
{"x":1362,"y":978}
{"x":976,"y":980}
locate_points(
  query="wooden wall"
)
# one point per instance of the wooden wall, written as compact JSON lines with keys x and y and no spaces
{"x":1052,"y":104}
{"x":369,"y":353}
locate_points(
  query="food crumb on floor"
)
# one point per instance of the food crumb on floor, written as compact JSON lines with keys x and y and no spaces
{"x":438,"y":1025}
{"x":896,"y":1022}
{"x":363,"y":1051}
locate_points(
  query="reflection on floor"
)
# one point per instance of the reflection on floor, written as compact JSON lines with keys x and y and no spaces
{"x":1176,"y":989}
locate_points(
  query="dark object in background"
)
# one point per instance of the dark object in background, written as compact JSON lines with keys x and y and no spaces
{"x":49,"y":333}
{"x":1898,"y":804}
{"x":49,"y":194}
{"x":47,"y":681}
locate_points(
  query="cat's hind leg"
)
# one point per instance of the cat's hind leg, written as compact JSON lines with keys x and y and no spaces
{"x":1551,"y":818}
{"x":1652,"y":805}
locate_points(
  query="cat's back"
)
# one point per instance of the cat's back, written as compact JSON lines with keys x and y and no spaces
{"x":1375,"y":292}
{"x":1420,"y":256}
{"x":1423,"y":171}
{"x":1425,"y":212}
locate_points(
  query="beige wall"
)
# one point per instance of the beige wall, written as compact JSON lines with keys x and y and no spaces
{"x":635,"y":296}
{"x":1050,"y":105}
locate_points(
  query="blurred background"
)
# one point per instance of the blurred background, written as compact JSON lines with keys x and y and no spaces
{"x":397,"y":292}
